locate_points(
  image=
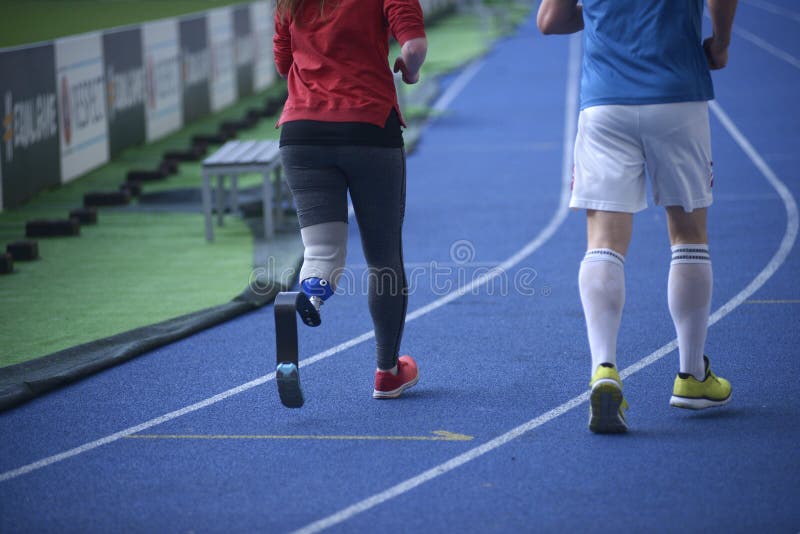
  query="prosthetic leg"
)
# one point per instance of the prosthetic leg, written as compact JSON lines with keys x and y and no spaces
{"x":287,"y":375}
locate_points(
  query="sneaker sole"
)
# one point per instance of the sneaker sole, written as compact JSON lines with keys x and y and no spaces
{"x":395,"y":392}
{"x":288,"y":378}
{"x":689,"y":403}
{"x":606,"y":400}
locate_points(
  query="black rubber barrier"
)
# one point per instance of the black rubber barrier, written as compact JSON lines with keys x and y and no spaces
{"x":250,"y":120}
{"x":256,"y":114}
{"x":106,"y":198}
{"x":236,"y":126}
{"x":134,"y":189}
{"x":23,"y":250}
{"x":227,"y":134}
{"x":145,"y":176}
{"x":200,"y":145}
{"x":169,"y":166}
{"x":209,"y":139}
{"x":52,"y":228}
{"x":6,"y":263}
{"x":195,"y":153}
{"x":84,"y":215}
{"x":273,"y":105}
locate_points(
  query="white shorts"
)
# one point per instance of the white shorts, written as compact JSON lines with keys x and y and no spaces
{"x":615,"y":145}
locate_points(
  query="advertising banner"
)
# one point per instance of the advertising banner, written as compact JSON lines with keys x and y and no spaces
{"x":162,"y":65}
{"x":223,"y":62}
{"x":29,"y":156}
{"x":244,"y":49}
{"x":263,"y":27}
{"x":196,"y":67}
{"x":125,"y":82}
{"x":81,"y":104}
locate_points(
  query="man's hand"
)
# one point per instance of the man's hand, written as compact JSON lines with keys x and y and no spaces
{"x":400,"y":66}
{"x":716,"y":53}
{"x":721,"y":13}
{"x":559,"y":17}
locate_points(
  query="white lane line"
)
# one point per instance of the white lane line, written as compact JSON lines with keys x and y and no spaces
{"x":528,"y":249}
{"x":570,"y":124}
{"x":44,"y":462}
{"x":455,"y":88}
{"x":774,"y":9}
{"x":570,"y":120}
{"x":764,"y":45}
{"x":774,"y":264}
{"x":792,"y":223}
{"x":441,"y":469}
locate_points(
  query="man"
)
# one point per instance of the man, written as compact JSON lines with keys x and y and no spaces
{"x":645,"y":88}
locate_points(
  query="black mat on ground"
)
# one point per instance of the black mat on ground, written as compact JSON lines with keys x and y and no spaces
{"x":52,"y":228}
{"x":174,"y":197}
{"x":6,"y":263}
{"x":24,"y":381}
{"x":23,"y":250}
{"x":84,"y":215}
{"x":191,"y":199}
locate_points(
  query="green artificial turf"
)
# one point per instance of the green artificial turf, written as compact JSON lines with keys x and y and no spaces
{"x":133,"y":268}
{"x":139,"y":268}
{"x":130,"y":270}
{"x":31,"y":21}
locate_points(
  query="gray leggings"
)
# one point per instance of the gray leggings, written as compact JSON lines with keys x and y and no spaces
{"x":320,"y":177}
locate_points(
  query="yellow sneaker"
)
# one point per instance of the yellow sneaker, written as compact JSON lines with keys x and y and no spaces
{"x":693,"y":394}
{"x":606,"y":403}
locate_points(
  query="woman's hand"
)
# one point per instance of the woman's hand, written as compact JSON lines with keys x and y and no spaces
{"x":400,"y":66}
{"x":412,"y":56}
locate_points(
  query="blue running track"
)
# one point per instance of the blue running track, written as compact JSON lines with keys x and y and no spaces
{"x":192,"y":437}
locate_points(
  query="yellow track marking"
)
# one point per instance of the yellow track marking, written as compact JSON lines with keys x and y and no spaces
{"x":438,"y":435}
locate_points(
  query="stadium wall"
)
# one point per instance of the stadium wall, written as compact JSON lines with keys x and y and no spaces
{"x":72,"y":104}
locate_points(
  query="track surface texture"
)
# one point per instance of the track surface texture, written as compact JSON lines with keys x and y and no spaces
{"x":494,"y":438}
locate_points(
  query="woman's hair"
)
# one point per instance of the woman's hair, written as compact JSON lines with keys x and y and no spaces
{"x":289,"y":7}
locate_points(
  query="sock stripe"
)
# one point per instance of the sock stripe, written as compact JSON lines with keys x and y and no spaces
{"x":691,"y":257}
{"x":604,"y":254}
{"x":691,"y":250}
{"x":690,"y":254}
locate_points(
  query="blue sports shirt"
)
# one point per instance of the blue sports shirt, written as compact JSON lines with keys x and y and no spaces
{"x":643,"y":52}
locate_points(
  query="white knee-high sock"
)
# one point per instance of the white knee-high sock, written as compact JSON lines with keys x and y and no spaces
{"x":602,"y":285}
{"x":689,"y":299}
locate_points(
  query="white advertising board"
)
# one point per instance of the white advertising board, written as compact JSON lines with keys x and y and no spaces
{"x":262,"y":20}
{"x":162,"y":64}
{"x":83,"y":127}
{"x":223,"y":63}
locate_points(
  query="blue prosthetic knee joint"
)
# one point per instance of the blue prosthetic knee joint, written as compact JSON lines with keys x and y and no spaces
{"x":317,"y":287}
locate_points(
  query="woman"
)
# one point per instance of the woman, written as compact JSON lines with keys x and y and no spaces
{"x":341,"y":131}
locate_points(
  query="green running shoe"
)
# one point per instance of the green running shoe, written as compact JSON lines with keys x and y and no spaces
{"x":606,"y":403}
{"x":693,"y":394}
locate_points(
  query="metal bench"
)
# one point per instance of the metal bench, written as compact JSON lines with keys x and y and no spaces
{"x":240,"y":157}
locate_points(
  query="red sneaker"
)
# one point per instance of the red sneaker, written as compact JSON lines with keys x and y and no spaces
{"x":389,"y":386}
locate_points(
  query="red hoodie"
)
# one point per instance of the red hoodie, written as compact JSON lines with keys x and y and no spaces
{"x":337,"y":63}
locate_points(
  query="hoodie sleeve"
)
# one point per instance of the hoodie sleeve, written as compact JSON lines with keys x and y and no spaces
{"x":282,"y":47}
{"x":405,"y":19}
